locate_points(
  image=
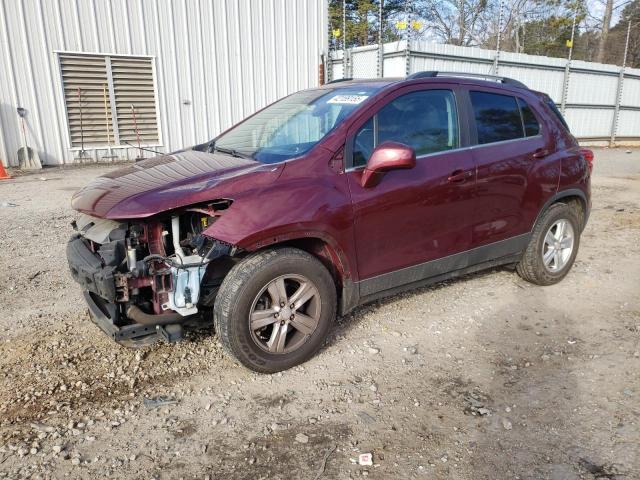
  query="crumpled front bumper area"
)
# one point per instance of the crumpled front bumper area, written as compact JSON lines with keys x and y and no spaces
{"x":99,"y":290}
{"x":86,"y":269}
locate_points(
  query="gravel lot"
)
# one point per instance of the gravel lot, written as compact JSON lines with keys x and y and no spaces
{"x":487,"y":377}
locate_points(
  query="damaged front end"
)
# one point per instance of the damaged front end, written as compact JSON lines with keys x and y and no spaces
{"x":144,"y":280}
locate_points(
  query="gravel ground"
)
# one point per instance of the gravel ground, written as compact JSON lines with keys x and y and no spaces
{"x":487,"y":377}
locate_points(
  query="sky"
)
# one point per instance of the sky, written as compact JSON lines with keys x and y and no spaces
{"x":596,"y":7}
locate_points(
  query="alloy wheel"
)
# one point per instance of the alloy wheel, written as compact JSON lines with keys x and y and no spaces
{"x":285,"y":313}
{"x":557,"y":246}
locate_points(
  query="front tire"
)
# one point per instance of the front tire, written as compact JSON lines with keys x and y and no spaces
{"x":553,"y":246}
{"x":274,"y":309}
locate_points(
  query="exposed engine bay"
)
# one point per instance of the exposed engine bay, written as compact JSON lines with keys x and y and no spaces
{"x":142,"y":278}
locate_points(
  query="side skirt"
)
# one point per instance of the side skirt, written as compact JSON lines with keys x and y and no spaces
{"x":480,"y":258}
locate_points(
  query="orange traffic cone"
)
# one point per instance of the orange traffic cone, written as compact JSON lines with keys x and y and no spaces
{"x":3,"y":173}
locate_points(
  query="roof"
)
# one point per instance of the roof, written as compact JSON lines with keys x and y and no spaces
{"x":432,"y":77}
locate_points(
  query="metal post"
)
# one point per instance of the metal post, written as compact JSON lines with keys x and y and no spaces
{"x":329,"y":69}
{"x":496,"y":58}
{"x":380,"y":45}
{"x":407,"y":52}
{"x":567,"y":68}
{"x":345,"y":60}
{"x":616,"y":113}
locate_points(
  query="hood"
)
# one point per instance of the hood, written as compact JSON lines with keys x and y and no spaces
{"x":171,"y":181}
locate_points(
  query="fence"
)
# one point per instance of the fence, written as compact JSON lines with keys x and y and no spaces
{"x":601,"y":102}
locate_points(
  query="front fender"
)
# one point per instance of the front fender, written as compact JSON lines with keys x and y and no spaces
{"x":314,"y":207}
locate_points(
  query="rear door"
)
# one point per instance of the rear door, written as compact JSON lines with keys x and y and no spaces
{"x":509,"y":143}
{"x":411,"y":216}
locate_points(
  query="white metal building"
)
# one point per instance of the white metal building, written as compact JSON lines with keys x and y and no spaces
{"x":88,"y":71}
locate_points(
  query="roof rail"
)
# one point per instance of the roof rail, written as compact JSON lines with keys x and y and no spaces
{"x":434,"y":73}
{"x":339,"y":80}
{"x":424,"y":74}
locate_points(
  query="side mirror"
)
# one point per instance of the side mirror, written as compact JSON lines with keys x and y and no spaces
{"x":387,"y":156}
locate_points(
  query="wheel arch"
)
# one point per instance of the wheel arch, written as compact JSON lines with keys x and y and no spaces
{"x":573,"y":196}
{"x":329,"y":253}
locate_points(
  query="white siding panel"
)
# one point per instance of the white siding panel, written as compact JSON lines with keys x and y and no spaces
{"x":103,"y":26}
{"x":394,"y":59}
{"x":549,"y":80}
{"x":631,"y":92}
{"x":589,"y":123}
{"x":629,"y":123}
{"x":215,"y":62}
{"x":395,"y":66}
{"x":222,"y":60}
{"x":594,"y":89}
{"x":338,"y":70}
{"x":11,"y":139}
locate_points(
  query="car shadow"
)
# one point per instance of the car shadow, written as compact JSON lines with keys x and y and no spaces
{"x":530,"y":384}
{"x":522,"y":368}
{"x":346,"y":323}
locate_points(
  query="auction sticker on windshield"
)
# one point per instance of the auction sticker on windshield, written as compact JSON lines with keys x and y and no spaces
{"x":348,"y":99}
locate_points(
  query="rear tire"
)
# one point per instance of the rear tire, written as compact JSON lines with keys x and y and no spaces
{"x":553,"y":246}
{"x":255,"y":312}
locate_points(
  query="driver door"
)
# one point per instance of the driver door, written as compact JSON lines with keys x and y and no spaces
{"x":412,"y":217}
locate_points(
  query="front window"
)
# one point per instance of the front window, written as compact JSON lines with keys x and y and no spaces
{"x":425,"y":120}
{"x":295,"y":124}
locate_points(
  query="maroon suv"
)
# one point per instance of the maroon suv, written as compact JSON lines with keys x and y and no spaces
{"x":328,"y":199}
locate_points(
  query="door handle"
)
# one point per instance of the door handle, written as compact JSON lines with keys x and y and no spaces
{"x":459,"y":176}
{"x":540,"y":153}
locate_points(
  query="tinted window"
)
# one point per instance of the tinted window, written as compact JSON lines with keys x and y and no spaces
{"x":363,"y":144}
{"x":424,"y":120}
{"x":531,"y":125}
{"x":497,"y":117}
{"x":555,"y":110}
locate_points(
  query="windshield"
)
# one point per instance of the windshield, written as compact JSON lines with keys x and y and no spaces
{"x":292,"y":126}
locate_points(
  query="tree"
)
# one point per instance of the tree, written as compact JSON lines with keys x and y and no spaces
{"x":547,"y":36}
{"x":606,"y":24}
{"x":458,"y":22}
{"x":362,"y":18}
{"x":539,"y":27}
{"x":614,"y":50}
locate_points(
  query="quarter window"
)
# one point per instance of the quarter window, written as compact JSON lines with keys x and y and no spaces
{"x":550,"y":103}
{"x":424,"y":120}
{"x":497,"y":117}
{"x":531,"y":125}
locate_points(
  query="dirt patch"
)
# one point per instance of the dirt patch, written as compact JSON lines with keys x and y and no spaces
{"x":81,"y":371}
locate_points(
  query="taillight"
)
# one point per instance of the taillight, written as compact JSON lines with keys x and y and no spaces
{"x":588,"y":156}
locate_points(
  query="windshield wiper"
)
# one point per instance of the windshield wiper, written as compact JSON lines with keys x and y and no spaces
{"x":231,"y":151}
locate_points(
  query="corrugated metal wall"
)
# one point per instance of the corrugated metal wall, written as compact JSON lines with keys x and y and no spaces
{"x":592,"y":87}
{"x":216,"y":61}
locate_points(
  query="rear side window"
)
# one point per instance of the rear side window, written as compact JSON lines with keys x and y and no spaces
{"x":497,"y":117}
{"x":425,"y":120}
{"x":531,"y":125}
{"x":550,"y":103}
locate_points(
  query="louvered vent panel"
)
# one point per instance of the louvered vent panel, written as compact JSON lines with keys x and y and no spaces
{"x":133,"y":86}
{"x":85,"y":85}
